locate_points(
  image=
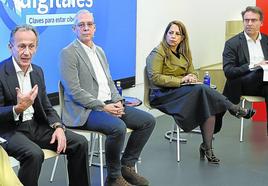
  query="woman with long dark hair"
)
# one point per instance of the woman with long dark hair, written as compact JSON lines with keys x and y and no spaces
{"x":176,"y":90}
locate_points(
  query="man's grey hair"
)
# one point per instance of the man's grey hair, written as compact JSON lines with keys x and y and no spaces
{"x":83,"y":11}
{"x":25,"y":27}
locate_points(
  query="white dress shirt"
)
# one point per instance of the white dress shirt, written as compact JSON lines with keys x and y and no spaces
{"x":104,"y":92}
{"x":25,"y":87}
{"x":255,"y":50}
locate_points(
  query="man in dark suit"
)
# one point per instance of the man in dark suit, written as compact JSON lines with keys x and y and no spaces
{"x":243,"y":56}
{"x":27,"y":120}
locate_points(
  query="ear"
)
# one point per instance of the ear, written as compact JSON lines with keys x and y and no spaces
{"x":73,"y":28}
{"x":10,"y":46}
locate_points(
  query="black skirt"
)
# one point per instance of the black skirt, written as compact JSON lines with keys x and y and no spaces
{"x":190,"y":105}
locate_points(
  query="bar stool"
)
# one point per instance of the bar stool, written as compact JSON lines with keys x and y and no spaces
{"x":175,"y":128}
{"x":250,"y":99}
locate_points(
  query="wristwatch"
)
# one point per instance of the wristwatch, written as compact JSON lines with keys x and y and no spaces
{"x":61,"y":126}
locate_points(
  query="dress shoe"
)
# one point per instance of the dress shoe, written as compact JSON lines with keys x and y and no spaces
{"x":209,"y":154}
{"x":239,"y":112}
{"x":132,"y":177}
{"x":119,"y":181}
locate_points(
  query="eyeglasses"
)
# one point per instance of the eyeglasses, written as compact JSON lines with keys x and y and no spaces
{"x":88,"y":24}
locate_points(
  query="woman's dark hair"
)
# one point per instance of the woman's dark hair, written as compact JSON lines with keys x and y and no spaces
{"x":183,"y":47}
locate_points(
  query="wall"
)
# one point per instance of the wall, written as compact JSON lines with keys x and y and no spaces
{"x":263,"y":4}
{"x":205,"y":21}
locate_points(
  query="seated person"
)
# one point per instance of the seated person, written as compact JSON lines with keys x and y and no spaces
{"x":7,"y":175}
{"x":242,"y":57}
{"x":92,"y":102}
{"x":27,"y":119}
{"x":168,"y":67}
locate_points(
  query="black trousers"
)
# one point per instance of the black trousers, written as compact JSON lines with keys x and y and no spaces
{"x":26,"y":146}
{"x":253,"y":85}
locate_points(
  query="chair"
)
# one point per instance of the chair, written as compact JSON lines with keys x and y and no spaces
{"x":175,"y":127}
{"x":250,"y":99}
{"x":86,"y":133}
{"x":47,"y":154}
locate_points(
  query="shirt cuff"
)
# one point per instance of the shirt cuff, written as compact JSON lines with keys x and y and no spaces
{"x":15,"y":115}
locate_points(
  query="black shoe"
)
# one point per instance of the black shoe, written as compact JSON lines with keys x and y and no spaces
{"x":119,"y":181}
{"x":209,"y":154}
{"x":132,"y":177}
{"x":242,"y":112}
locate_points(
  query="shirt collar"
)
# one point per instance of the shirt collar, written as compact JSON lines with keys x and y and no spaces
{"x":93,"y":49}
{"x":249,"y":38}
{"x":18,"y":69}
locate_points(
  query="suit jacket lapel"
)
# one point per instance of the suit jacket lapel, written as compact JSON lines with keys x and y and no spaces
{"x":35,"y":80}
{"x":244,"y":45}
{"x":264,"y":45}
{"x":12,"y":80}
{"x":84,"y":58}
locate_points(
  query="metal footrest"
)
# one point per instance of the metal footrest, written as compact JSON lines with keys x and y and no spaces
{"x":98,"y":165}
{"x":173,"y":138}
{"x":195,"y":131}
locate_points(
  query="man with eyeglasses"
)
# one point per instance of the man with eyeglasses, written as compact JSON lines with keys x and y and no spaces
{"x":92,"y":102}
{"x":243,"y":56}
{"x":28,"y":121}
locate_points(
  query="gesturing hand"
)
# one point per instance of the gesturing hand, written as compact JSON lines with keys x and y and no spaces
{"x":25,"y":100}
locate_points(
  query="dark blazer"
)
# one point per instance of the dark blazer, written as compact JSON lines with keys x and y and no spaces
{"x":43,"y":110}
{"x":236,"y":64}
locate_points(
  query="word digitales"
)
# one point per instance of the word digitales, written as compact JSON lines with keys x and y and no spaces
{"x":43,"y":6}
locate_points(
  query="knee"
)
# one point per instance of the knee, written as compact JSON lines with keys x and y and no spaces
{"x":119,"y":130}
{"x":35,"y":155}
{"x":201,"y":87}
{"x":82,"y":142}
{"x":148,"y":121}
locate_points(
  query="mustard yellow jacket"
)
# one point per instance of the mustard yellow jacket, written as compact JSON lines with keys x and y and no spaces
{"x":166,"y":71}
{"x":7,"y":175}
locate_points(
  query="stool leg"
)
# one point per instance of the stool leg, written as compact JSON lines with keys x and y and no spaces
{"x":242,"y":122}
{"x":54,"y":169}
{"x":178,"y":143}
{"x":172,"y":134}
{"x":66,"y":167}
{"x":92,"y":147}
{"x":136,"y":167}
{"x":101,"y":159}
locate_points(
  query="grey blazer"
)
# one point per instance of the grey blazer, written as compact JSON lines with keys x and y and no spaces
{"x":80,"y":84}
